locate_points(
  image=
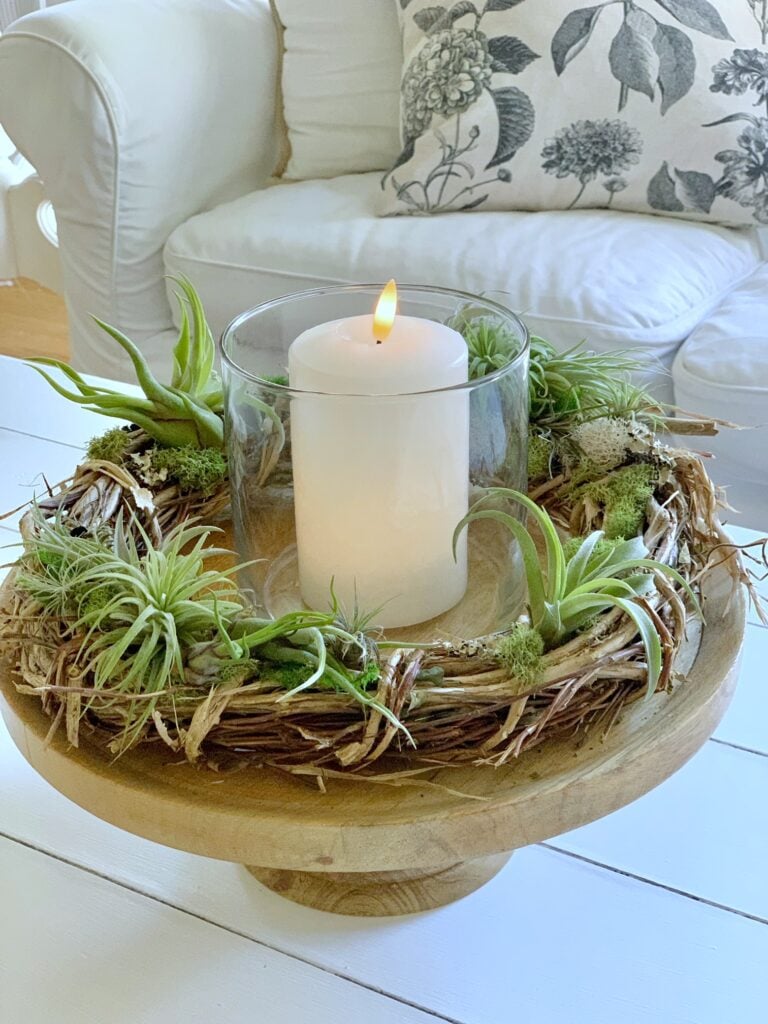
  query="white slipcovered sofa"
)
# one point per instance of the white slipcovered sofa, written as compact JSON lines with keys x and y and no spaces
{"x":154,"y":125}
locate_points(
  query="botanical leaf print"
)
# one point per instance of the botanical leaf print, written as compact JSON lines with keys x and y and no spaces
{"x":688,"y":190}
{"x":744,"y":177}
{"x":516,"y":121}
{"x":588,"y":149}
{"x":677,"y":64}
{"x":573,"y":35}
{"x":633,"y":57}
{"x":759,"y":10}
{"x":661,"y":192}
{"x":510,"y":54}
{"x":645,"y":52}
{"x":434,"y":19}
{"x":473,"y":73}
{"x":697,"y":190}
{"x":698,"y":14}
{"x":449,"y":184}
{"x":448,"y":74}
{"x":745,"y":170}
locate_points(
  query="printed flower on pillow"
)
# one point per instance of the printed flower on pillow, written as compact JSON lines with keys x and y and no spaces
{"x":651,"y":106}
{"x":452,"y":71}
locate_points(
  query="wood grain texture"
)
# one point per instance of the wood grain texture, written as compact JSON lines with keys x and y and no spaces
{"x":33,"y":321}
{"x":263,"y":818}
{"x":381,"y":893}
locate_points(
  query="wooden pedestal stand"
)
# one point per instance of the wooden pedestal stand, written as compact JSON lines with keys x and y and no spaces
{"x":370,"y":849}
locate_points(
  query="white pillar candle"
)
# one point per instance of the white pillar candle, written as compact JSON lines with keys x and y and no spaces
{"x":380,"y":482}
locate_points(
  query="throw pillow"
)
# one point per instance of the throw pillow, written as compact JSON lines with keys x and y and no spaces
{"x":639,"y":105}
{"x":340,"y":82}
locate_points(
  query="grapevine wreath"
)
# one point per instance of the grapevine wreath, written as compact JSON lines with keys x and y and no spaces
{"x":123,"y":618}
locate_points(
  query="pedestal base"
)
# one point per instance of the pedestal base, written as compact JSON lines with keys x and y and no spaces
{"x":381,"y":893}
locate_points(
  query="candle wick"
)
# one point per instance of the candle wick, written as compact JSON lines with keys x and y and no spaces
{"x":378,"y":341}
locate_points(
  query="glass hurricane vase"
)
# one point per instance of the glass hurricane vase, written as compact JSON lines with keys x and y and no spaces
{"x":352,"y":500}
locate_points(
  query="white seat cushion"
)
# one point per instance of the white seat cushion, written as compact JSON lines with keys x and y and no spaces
{"x":722,"y":370}
{"x":616,"y":279}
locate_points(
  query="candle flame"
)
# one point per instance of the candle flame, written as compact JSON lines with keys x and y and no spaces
{"x":384,"y":315}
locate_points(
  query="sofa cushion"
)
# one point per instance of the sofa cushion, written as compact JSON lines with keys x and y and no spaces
{"x":616,"y":279}
{"x":639,"y":106}
{"x":340,"y":84}
{"x":722,"y":370}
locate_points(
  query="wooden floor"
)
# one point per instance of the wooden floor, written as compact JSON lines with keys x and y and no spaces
{"x":33,"y":321}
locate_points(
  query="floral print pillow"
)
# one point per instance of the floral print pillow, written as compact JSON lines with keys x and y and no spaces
{"x":656,"y":106}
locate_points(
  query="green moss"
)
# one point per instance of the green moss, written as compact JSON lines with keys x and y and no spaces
{"x":520,"y":652}
{"x":90,"y":600}
{"x":50,"y":559}
{"x":243,"y":668}
{"x":623,"y":498}
{"x":109,"y":447}
{"x":194,"y":469}
{"x":288,"y":674}
{"x":541,"y":451}
{"x":280,"y":379}
{"x":370,"y":674}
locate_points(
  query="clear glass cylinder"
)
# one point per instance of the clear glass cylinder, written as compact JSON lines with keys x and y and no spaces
{"x":343,"y":496}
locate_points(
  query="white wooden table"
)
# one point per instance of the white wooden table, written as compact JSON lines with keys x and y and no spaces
{"x":658,"y":913}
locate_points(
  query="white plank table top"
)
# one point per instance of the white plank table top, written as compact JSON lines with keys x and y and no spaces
{"x":657,"y":913}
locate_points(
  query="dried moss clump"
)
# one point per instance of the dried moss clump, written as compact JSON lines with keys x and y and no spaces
{"x":541,"y":452}
{"x":201,"y":470}
{"x":623,"y":498}
{"x":604,"y":441}
{"x":520,"y":652}
{"x":109,"y":447}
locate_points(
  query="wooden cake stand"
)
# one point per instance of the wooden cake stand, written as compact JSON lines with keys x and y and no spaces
{"x":370,"y":849}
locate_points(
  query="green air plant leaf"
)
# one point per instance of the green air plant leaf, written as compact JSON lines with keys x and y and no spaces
{"x":564,"y":593}
{"x":186,"y":412}
{"x":569,"y":387}
{"x":151,"y":622}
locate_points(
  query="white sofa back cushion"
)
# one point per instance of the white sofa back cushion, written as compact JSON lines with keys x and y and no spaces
{"x":340,"y":85}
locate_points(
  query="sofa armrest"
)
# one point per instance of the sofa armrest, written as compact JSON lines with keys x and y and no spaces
{"x":137,"y":114}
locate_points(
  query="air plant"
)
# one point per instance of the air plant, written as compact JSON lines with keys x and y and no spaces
{"x":564,"y":594}
{"x":152,"y":618}
{"x":570,"y":387}
{"x":185,"y":412}
{"x":564,"y":387}
{"x":491,"y":344}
